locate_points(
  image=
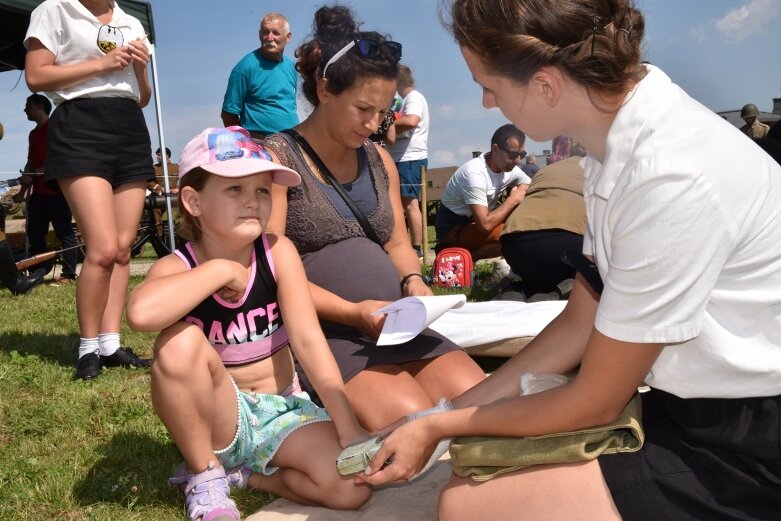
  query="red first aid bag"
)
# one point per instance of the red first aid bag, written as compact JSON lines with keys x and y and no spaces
{"x":453,"y":268}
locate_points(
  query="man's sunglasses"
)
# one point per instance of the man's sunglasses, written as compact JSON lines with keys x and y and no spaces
{"x":511,"y":154}
{"x":368,"y":48}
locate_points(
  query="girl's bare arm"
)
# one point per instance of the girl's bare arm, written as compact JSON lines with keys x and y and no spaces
{"x":170,"y":290}
{"x":307,"y":340}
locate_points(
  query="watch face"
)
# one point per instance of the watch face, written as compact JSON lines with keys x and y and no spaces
{"x":109,"y":38}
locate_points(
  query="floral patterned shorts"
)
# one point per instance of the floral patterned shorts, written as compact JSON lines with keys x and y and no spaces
{"x":264,"y":421}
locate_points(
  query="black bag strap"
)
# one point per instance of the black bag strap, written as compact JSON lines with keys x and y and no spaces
{"x":367,"y":227}
{"x":585,"y":267}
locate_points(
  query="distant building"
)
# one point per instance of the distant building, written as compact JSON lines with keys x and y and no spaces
{"x":768,"y":118}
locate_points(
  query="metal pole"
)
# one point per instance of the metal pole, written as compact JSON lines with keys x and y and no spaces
{"x":424,"y":211}
{"x":161,"y":139}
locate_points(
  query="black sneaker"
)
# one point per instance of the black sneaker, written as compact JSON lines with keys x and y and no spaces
{"x":87,"y":367}
{"x":125,"y":357}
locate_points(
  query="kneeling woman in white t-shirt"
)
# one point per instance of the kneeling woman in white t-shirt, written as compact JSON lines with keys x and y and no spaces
{"x":690,"y":261}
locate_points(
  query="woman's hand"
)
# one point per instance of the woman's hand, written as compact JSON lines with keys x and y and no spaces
{"x":363,"y":319}
{"x":139,"y":56}
{"x":117,"y":59}
{"x":416,"y":287}
{"x":407,"y":449}
{"x":237,"y":285}
{"x":517,"y":194}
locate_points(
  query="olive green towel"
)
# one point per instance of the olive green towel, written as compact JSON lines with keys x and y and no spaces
{"x":484,"y":458}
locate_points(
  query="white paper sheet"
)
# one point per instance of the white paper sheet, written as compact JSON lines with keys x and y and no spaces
{"x":408,"y":316}
{"x":478,"y":323}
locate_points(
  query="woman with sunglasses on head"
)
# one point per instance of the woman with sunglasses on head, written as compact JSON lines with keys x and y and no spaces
{"x":690,"y":266}
{"x":350,"y":78}
{"x":91,"y":57}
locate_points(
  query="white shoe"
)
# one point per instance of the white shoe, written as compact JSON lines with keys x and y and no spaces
{"x":501,"y":269}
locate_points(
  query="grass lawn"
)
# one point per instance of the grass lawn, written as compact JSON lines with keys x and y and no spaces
{"x":75,"y":450}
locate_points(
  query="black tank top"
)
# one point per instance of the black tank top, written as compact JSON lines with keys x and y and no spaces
{"x":250,"y":329}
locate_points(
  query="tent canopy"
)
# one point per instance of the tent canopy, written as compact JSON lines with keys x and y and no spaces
{"x":15,"y":17}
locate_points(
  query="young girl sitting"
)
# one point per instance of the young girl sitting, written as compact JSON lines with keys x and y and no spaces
{"x":223,"y":380}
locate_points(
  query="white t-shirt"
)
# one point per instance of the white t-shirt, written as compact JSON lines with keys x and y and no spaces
{"x":70,"y":31}
{"x":412,"y":145}
{"x":475,"y":183}
{"x":689,"y":252}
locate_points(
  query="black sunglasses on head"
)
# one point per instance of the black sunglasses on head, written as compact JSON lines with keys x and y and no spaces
{"x":511,"y":154}
{"x":370,"y":48}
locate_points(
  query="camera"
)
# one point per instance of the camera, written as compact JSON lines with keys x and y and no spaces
{"x":157,"y":202}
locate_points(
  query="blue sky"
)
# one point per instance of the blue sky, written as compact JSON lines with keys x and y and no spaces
{"x":720,"y":51}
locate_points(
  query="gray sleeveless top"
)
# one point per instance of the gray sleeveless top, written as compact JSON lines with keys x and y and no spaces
{"x":314,"y":220}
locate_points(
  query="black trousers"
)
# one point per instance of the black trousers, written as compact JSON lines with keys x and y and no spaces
{"x":54,"y":209}
{"x":713,"y":459}
{"x":536,"y":257}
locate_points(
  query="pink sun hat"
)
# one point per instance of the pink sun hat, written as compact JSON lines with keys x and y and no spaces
{"x":231,"y":152}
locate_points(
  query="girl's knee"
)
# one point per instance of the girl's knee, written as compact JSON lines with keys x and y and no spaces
{"x":406,"y":401}
{"x":179,"y":347}
{"x":344,"y":494}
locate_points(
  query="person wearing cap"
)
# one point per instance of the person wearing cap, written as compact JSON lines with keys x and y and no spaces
{"x":230,"y":305}
{"x":158,"y":185}
{"x":261,"y":92}
{"x":753,"y":128}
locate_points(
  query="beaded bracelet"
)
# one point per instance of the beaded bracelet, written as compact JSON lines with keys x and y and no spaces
{"x":409,"y":276}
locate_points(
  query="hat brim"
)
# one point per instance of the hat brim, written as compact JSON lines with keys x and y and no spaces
{"x":244,"y":166}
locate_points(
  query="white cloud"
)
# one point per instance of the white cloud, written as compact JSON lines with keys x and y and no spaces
{"x":751,"y":18}
{"x":444,"y":157}
{"x":467,"y":150}
{"x":446,"y":111}
{"x":698,"y":34}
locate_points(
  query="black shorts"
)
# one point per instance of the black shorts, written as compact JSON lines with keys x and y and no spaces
{"x":703,"y":459}
{"x":105,"y":137}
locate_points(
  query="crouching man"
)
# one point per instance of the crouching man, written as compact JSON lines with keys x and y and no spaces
{"x":471,"y":214}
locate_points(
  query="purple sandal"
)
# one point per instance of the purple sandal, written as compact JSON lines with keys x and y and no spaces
{"x":207,"y":494}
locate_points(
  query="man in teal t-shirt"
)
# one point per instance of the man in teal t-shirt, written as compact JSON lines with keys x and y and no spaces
{"x":261,"y":93}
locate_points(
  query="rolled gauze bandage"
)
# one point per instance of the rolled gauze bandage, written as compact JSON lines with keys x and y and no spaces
{"x":444,"y":444}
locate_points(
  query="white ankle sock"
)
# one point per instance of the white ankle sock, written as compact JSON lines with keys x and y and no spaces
{"x":109,"y":343}
{"x":88,"y":345}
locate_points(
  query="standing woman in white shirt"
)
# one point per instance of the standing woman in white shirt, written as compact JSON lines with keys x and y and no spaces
{"x":91,"y":57}
{"x":690,"y":262}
